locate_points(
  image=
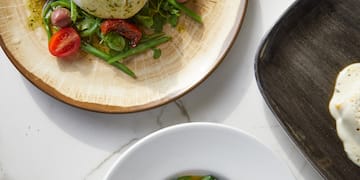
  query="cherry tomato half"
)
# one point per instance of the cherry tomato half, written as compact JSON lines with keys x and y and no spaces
{"x":65,"y":42}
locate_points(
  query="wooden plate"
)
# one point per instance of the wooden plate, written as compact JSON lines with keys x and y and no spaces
{"x":87,"y":82}
{"x":296,"y":69}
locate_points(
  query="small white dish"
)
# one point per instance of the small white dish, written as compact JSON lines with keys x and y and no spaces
{"x":198,"y":149}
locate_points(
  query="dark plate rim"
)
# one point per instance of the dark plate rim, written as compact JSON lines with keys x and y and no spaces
{"x":267,"y":98}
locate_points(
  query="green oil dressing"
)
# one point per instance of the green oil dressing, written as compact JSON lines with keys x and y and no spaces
{"x":34,"y":19}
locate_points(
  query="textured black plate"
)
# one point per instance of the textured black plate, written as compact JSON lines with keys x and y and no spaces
{"x":296,"y":69}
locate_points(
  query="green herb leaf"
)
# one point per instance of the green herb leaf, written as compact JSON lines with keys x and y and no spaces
{"x":173,"y":20}
{"x":115,"y":41}
{"x":146,"y":21}
{"x":88,"y":26}
{"x":156,"y":53}
{"x":159,"y":22}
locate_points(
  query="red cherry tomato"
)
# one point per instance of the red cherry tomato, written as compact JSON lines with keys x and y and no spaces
{"x":65,"y":42}
{"x":124,"y":28}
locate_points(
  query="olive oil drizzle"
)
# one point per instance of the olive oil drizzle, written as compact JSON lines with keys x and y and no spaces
{"x":35,"y":8}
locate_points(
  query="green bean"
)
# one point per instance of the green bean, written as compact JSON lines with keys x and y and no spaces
{"x":46,"y":20}
{"x":151,"y":37}
{"x":186,"y":10}
{"x":46,"y":8}
{"x":102,"y":55}
{"x":139,"y":49}
{"x":94,"y":51}
{"x":46,"y":15}
{"x":125,"y":69}
{"x":73,"y":9}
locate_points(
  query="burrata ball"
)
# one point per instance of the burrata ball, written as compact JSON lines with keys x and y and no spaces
{"x":111,"y":9}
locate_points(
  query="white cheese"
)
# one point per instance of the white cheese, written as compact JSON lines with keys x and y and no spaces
{"x":345,"y":108}
{"x":111,"y":9}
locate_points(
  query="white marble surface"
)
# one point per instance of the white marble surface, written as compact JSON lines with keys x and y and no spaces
{"x":42,"y":138}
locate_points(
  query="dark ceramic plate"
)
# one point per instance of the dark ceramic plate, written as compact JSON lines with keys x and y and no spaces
{"x":296,"y":69}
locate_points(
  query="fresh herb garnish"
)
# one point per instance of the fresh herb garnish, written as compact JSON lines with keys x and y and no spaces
{"x":156,"y":53}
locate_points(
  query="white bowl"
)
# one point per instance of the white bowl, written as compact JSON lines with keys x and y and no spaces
{"x":198,"y":149}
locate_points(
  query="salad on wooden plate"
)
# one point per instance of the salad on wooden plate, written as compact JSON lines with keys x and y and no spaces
{"x":110,"y":30}
{"x":165,"y":47}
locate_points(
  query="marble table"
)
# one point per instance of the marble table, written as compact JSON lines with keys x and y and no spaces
{"x":42,"y":138}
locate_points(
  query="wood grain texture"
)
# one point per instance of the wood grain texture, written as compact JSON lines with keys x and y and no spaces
{"x":296,"y":69}
{"x":87,"y":82}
